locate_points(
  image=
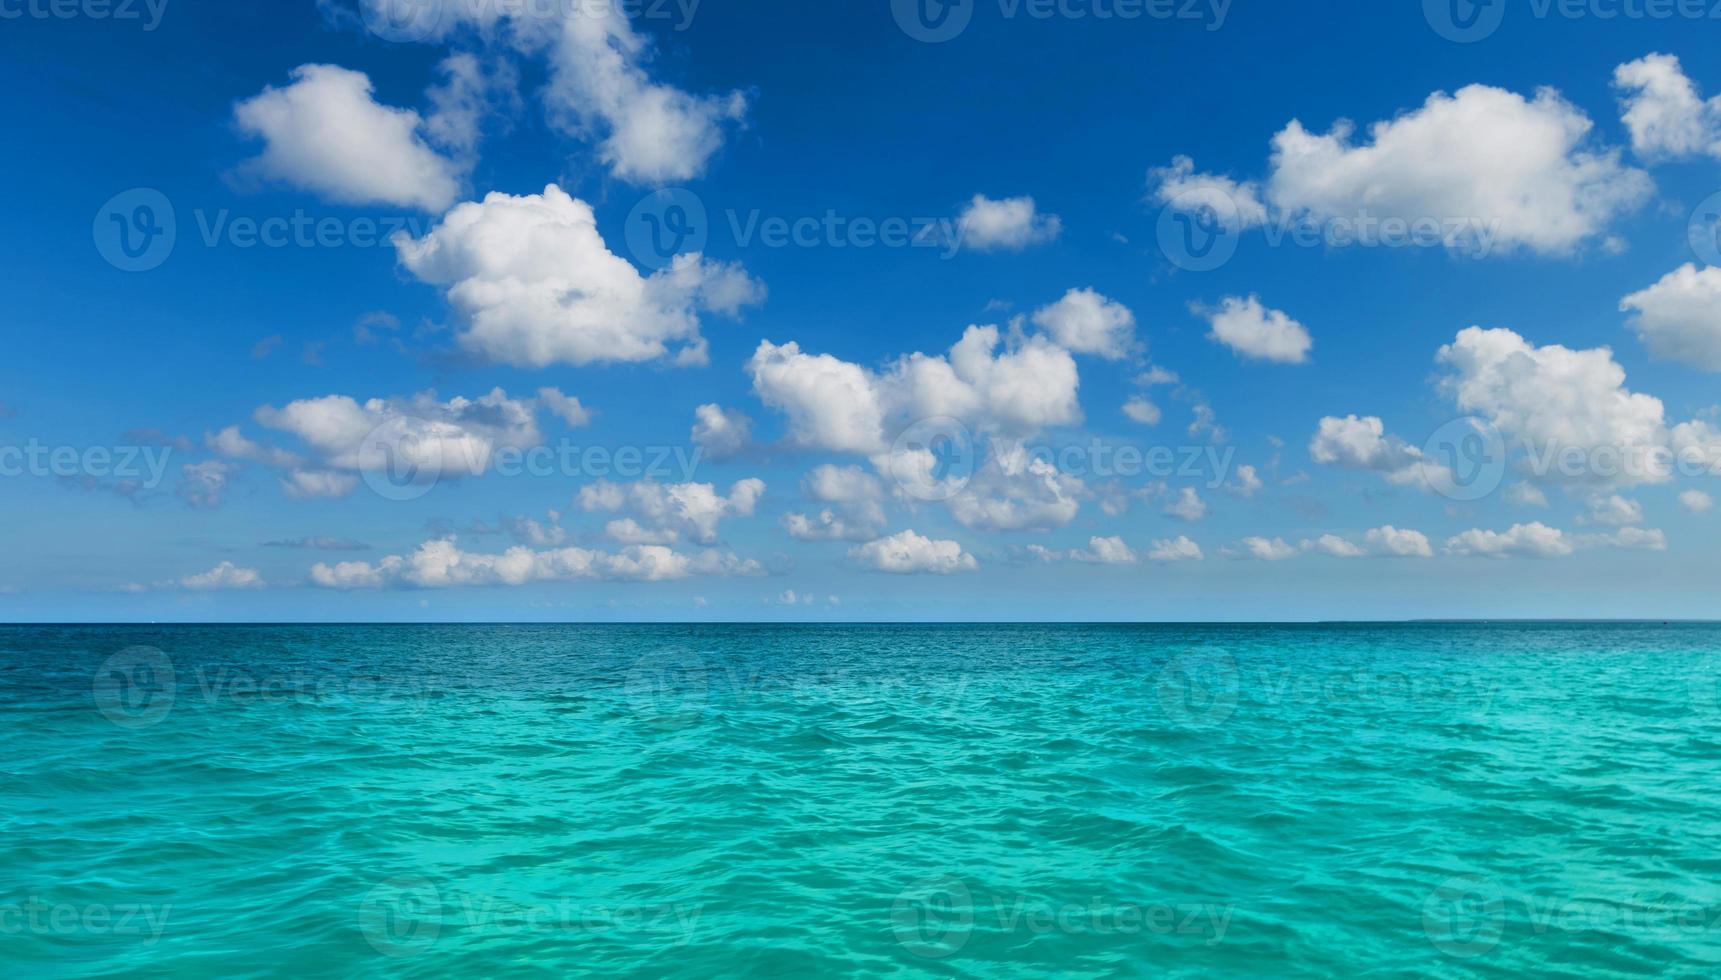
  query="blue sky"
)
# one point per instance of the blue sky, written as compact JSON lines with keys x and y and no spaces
{"x":1018,"y":174}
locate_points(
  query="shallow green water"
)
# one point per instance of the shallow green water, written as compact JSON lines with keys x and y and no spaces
{"x":1441,"y":800}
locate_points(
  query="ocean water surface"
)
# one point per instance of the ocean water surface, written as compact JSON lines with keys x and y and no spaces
{"x":1448,"y":800}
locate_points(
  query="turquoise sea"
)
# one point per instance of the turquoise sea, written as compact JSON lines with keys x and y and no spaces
{"x":1449,"y":800}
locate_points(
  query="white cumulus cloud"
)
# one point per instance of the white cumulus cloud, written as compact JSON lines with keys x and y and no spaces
{"x":1085,"y":322}
{"x":1484,"y":154}
{"x":1663,"y":110}
{"x":535,"y":284}
{"x":324,"y":132}
{"x":1256,"y":332}
{"x":1179,"y":548}
{"x":1012,"y":223}
{"x":721,"y":433}
{"x":907,"y":552}
{"x":666,"y":512}
{"x":442,"y":564}
{"x":599,"y":85}
{"x":1679,"y":318}
{"x":1363,"y":444}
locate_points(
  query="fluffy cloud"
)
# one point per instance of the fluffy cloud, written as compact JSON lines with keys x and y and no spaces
{"x":1629,"y":538}
{"x":325,"y":133}
{"x":826,"y":525}
{"x":202,"y":485}
{"x":1106,"y":551}
{"x":599,"y":86}
{"x":1613,"y":509}
{"x":1085,"y":322}
{"x":1248,"y":482}
{"x":1336,"y":546}
{"x":1483,"y":154}
{"x":1013,"y":223}
{"x":1100,"y":551}
{"x":1661,"y":107}
{"x":565,"y":407}
{"x":1188,"y":506}
{"x":656,"y":133}
{"x":307,"y":484}
{"x":1236,"y":205}
{"x":1389,"y":540}
{"x":1679,"y":318}
{"x":1179,"y":548}
{"x":1384,"y":541}
{"x":233,"y":444}
{"x":833,"y":404}
{"x":223,"y":576}
{"x":1262,"y":549}
{"x":906,"y":552}
{"x":670,"y":511}
{"x":1141,"y":410}
{"x":1362,"y":444}
{"x":721,"y":433}
{"x":842,"y":484}
{"x":858,"y":514}
{"x":1696,"y":501}
{"x":419,"y":435}
{"x":1533,"y":540}
{"x":1254,"y":331}
{"x":1554,"y":398}
{"x":1016,"y":490}
{"x":461,"y":101}
{"x":1537,"y":540}
{"x":535,"y":285}
{"x":441,"y":564}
